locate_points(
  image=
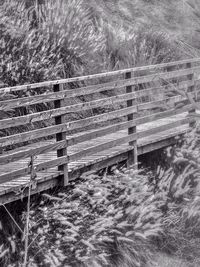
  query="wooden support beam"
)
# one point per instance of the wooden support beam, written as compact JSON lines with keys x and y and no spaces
{"x":62,"y":135}
{"x":132,"y":154}
{"x":192,"y":88}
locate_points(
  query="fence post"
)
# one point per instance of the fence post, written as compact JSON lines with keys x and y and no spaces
{"x":191,"y":78}
{"x":132,"y":154}
{"x":61,"y":136}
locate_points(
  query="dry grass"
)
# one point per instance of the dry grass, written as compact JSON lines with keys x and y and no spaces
{"x":162,"y":260}
{"x":117,"y":220}
{"x":114,"y":217}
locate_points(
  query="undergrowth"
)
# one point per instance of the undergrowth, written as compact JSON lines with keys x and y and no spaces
{"x":110,"y":220}
{"x":100,"y":221}
{"x":181,"y":219}
{"x":118,"y":219}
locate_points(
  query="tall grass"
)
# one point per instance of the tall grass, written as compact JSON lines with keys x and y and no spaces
{"x":117,"y":220}
{"x":180,"y":186}
{"x":99,"y":221}
{"x":45,"y":40}
{"x":52,"y":40}
{"x":109,"y":220}
{"x":58,"y":39}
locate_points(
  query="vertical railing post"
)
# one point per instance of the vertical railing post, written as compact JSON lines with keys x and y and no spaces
{"x":132,"y":154}
{"x":61,"y":136}
{"x":191,"y":78}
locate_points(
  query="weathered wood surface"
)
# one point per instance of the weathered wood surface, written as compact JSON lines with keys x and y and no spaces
{"x":61,"y":136}
{"x":82,"y":154}
{"x":139,"y":113}
{"x":66,"y":141}
{"x":7,"y":105}
{"x":35,"y":134}
{"x":97,"y":76}
{"x":48,"y":97}
{"x":49,"y":114}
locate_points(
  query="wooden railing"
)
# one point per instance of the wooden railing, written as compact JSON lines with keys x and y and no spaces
{"x":54,"y":115}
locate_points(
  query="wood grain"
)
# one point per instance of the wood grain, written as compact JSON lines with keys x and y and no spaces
{"x":100,"y":143}
{"x":96,"y":76}
{"x":7,"y":105}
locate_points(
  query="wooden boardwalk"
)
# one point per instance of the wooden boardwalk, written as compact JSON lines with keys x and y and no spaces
{"x":67,"y":155}
{"x":97,"y":161}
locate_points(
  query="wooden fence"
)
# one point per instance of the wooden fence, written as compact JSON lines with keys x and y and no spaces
{"x":39,"y":118}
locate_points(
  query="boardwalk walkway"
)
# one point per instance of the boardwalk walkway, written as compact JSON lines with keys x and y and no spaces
{"x":139,"y":116}
{"x":98,"y":160}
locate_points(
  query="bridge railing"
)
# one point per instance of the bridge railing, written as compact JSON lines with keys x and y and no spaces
{"x":45,"y":119}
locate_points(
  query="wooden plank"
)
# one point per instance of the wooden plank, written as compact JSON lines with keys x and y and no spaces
{"x":115,"y":157}
{"x":166,"y":103}
{"x":70,"y":141}
{"x":78,"y":174}
{"x":39,"y":116}
{"x":31,"y":135}
{"x":112,"y":159}
{"x":81,"y":123}
{"x":95,"y":76}
{"x":9,"y":195}
{"x":57,"y":162}
{"x":102,"y":146}
{"x":45,"y":115}
{"x":61,"y":135}
{"x":38,"y":167}
{"x":123,"y":112}
{"x":132,"y":155}
{"x":6,"y":105}
{"x":42,"y":186}
{"x":161,"y":115}
{"x":161,"y":142}
{"x":51,"y":130}
{"x":163,"y":89}
{"x":103,"y":131}
{"x":18,"y":155}
{"x":125,"y":139}
{"x":165,"y":127}
{"x":47,"y":131}
{"x":191,"y":77}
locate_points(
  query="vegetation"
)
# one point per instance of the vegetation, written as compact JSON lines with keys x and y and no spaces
{"x":45,"y":40}
{"x":124,"y":217}
{"x":121,"y":218}
{"x":59,"y":39}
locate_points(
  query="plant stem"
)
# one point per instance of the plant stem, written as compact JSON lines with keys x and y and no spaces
{"x":28,"y":216}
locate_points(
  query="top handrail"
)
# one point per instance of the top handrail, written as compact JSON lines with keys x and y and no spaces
{"x":26,"y":87}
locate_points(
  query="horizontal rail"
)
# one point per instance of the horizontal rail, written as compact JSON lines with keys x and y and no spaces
{"x":45,"y":115}
{"x":25,"y":101}
{"x":86,"y":145}
{"x":26,"y":152}
{"x":51,"y":130}
{"x":7,"y":105}
{"x":37,"y":167}
{"x":96,"y":76}
{"x":132,"y":137}
{"x":89,"y":151}
{"x":124,"y":125}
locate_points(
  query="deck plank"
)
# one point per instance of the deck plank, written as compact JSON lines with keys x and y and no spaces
{"x":18,"y":183}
